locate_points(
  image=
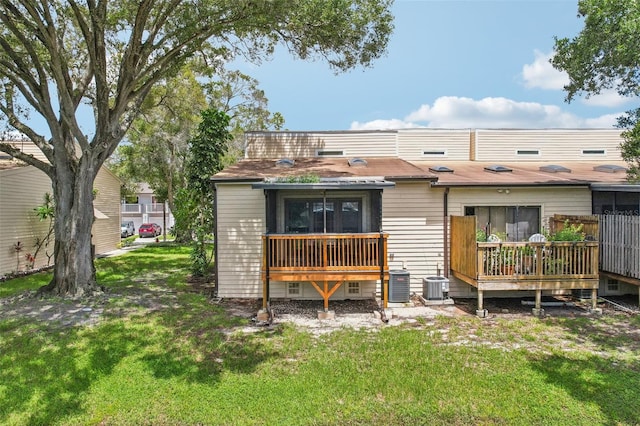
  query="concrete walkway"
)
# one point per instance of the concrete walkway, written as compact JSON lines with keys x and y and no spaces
{"x":137,"y":243}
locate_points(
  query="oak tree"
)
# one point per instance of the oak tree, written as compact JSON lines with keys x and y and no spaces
{"x":58,"y":57}
{"x":606,"y":55}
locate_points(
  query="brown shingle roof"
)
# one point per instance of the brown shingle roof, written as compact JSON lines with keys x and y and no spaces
{"x":473,"y":173}
{"x":259,"y":169}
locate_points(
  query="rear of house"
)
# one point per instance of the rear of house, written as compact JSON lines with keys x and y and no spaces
{"x":404,"y":185}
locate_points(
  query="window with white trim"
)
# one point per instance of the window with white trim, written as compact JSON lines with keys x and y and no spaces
{"x":613,"y":285}
{"x":293,"y":289}
{"x":353,"y":289}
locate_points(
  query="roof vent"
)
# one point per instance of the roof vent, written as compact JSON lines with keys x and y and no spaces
{"x":358,"y":162}
{"x":285,"y":163}
{"x":609,"y":168}
{"x":496,"y":168}
{"x":441,"y":169}
{"x":554,"y":168}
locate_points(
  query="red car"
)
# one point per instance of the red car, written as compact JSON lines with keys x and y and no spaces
{"x":149,"y":230}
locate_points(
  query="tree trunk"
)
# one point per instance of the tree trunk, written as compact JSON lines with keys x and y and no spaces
{"x":74,"y":273}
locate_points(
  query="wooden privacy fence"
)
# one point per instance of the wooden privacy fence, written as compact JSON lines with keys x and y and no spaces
{"x":620,"y":245}
{"x":463,"y":245}
{"x":589,"y":224}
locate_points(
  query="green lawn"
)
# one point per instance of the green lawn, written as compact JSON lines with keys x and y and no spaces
{"x":190,"y":363}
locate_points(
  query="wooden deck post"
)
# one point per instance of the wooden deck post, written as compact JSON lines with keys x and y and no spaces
{"x":538,"y":298}
{"x":481,"y":312}
{"x":594,"y":298}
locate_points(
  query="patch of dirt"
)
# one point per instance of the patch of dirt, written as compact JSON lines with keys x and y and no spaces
{"x":354,"y":314}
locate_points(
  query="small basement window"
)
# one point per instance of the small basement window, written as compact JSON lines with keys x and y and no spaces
{"x":329,"y":153}
{"x":593,"y":152}
{"x":496,"y":168}
{"x":293,"y":289}
{"x":353,"y":289}
{"x":612,"y":285}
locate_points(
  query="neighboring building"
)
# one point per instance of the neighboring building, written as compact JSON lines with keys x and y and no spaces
{"x":296,"y":196}
{"x":145,"y":208}
{"x":22,"y":189}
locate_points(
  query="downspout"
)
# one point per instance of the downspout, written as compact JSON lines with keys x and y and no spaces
{"x":445,"y":231}
{"x":265,"y":303}
{"x":215,"y":240}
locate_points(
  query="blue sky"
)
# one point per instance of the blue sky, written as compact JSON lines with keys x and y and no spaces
{"x":450,"y":64}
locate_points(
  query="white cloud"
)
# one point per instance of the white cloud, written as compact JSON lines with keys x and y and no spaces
{"x":607,"y":98}
{"x":541,"y":74}
{"x":393,"y":123}
{"x":460,"y":112}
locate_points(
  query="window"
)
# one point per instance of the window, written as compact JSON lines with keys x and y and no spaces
{"x":303,"y":216}
{"x":293,"y":289}
{"x":437,"y":153}
{"x":353,"y":289}
{"x":518,"y":223}
{"x":329,"y":153}
{"x":612,"y":285}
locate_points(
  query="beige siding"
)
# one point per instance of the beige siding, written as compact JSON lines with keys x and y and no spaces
{"x":413,"y":217}
{"x":28,"y":147}
{"x":303,"y":144}
{"x":22,"y":190}
{"x":563,"y":200}
{"x":106,"y":232}
{"x":368,"y":290}
{"x":554,"y":145}
{"x":413,"y":143}
{"x":240,"y":226}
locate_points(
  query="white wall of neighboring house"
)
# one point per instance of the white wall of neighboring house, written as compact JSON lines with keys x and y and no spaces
{"x":147,"y":210}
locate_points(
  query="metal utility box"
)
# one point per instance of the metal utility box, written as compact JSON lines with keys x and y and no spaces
{"x":435,"y":288}
{"x":399,"y":286}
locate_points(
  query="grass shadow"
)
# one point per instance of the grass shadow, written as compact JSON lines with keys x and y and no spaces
{"x":610,"y":385}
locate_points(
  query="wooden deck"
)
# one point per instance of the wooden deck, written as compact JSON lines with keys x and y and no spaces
{"x":538,"y":266}
{"x":530,"y":266}
{"x":325,"y":260}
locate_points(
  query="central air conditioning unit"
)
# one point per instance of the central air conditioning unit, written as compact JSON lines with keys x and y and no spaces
{"x":399,"y":286}
{"x":435,"y":288}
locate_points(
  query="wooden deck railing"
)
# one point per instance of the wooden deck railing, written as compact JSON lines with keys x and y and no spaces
{"x":529,"y":260}
{"x":324,"y":252}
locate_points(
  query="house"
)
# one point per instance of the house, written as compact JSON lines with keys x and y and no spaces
{"x":22,"y":189}
{"x":333,"y":214}
{"x":145,"y":208}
